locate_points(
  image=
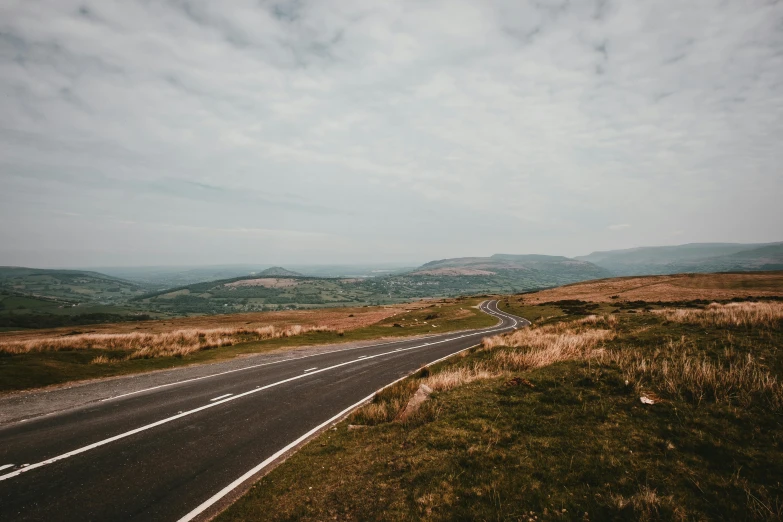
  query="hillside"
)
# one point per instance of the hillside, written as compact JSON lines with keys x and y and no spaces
{"x":33,"y":298}
{"x":667,"y":288}
{"x":279,"y":288}
{"x":694,"y":257}
{"x":521,"y":271}
{"x":278,"y":271}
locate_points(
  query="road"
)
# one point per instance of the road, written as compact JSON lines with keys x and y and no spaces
{"x":176,"y":452}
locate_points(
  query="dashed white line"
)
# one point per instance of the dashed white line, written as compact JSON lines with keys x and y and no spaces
{"x":6,"y":466}
{"x":226,"y":490}
{"x":312,"y":371}
{"x":221,"y":397}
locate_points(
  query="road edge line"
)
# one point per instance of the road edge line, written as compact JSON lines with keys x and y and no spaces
{"x":296,"y":444}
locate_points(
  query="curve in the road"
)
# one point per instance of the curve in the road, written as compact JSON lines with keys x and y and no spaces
{"x":213,"y":418}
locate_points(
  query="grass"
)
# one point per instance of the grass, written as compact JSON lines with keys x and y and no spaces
{"x":667,"y":288}
{"x":176,"y":343}
{"x":751,"y":315}
{"x":547,"y":424}
{"x":120,"y":349}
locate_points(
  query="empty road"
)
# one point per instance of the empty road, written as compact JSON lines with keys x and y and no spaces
{"x":175,"y":452}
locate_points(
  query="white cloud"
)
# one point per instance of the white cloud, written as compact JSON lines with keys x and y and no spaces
{"x":492,"y":126}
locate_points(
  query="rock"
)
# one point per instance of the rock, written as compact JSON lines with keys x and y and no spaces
{"x":421,"y":395}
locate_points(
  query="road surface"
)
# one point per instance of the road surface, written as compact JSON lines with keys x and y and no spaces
{"x":179,"y":451}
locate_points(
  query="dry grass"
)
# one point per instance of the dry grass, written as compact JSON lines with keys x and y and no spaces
{"x":338,"y":318}
{"x":676,"y":372}
{"x":387,"y":405}
{"x":646,"y":504}
{"x":544,"y":345}
{"x":668,"y":288}
{"x":454,"y":377}
{"x":748,"y":314}
{"x":145,"y":345}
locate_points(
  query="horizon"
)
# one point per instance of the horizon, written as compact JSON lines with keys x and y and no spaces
{"x":368,"y":264}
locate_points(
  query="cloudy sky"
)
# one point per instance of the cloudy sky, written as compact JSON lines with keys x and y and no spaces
{"x":143,"y":132}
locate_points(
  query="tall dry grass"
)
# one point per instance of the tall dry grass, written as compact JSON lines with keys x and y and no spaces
{"x":454,"y":377}
{"x":177,"y":343}
{"x":677,"y":372}
{"x":541,"y":346}
{"x":748,"y":314}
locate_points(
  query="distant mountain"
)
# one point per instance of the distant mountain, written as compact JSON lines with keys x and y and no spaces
{"x":68,"y":285}
{"x":162,"y":277}
{"x":694,"y":257}
{"x":514,"y":271}
{"x":277,"y":271}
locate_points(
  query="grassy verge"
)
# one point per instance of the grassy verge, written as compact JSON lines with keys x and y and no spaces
{"x":20,"y":371}
{"x":554,"y":429}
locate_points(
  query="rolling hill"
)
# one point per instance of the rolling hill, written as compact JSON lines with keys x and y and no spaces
{"x":694,"y":257}
{"x":36,"y":298}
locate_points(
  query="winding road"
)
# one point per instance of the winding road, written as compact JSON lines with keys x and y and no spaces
{"x":183,"y":449}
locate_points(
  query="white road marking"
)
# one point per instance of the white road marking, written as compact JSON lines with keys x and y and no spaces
{"x":221,"y":397}
{"x":363,"y":356}
{"x":263,"y":364}
{"x":166,"y":420}
{"x":311,"y":369}
{"x":6,"y":466}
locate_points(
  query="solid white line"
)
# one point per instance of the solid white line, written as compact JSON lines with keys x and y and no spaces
{"x":226,"y":490}
{"x":311,"y":369}
{"x":221,"y":397}
{"x":5,"y":466}
{"x":277,"y":362}
{"x":216,"y":403}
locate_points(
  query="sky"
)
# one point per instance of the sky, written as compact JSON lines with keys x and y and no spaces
{"x":191,"y":132}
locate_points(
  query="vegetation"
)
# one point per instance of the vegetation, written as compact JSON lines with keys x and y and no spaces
{"x":695,"y":257}
{"x":38,"y":358}
{"x":647,"y":412}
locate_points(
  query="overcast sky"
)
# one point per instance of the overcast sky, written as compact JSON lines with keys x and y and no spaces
{"x":137,"y":132}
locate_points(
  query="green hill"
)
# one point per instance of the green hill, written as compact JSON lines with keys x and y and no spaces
{"x":694,"y":257}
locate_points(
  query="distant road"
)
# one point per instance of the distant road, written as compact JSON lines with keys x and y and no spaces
{"x":176,"y":452}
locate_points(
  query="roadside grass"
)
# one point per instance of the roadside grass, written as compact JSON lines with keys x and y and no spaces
{"x":94,"y":357}
{"x":560,"y":433}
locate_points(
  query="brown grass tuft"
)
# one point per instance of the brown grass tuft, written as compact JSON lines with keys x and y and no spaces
{"x":545,"y":345}
{"x":678,"y":373}
{"x":454,"y":377}
{"x":178,"y":343}
{"x":749,"y":314}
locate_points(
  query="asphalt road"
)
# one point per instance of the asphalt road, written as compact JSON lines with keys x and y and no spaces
{"x":177,"y":451}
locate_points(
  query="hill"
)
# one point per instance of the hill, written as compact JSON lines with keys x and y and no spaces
{"x":667,"y":288}
{"x":278,"y":271}
{"x":520,"y":271}
{"x":694,"y":257}
{"x":36,"y":298}
{"x":72,"y":286}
